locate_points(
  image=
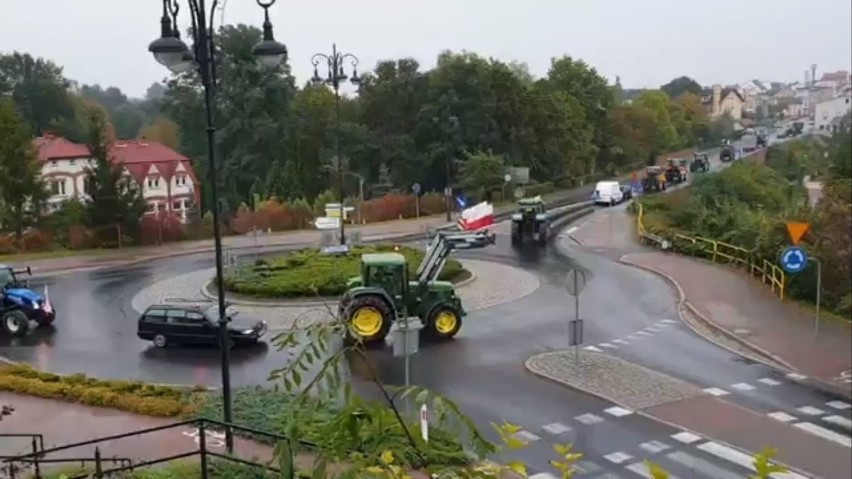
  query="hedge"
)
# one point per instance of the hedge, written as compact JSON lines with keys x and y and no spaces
{"x":310,"y":273}
{"x":131,"y":396}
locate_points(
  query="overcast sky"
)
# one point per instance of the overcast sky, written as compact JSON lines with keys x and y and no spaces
{"x":645,"y":42}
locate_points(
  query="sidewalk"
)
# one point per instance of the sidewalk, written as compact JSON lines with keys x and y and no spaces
{"x":747,"y":309}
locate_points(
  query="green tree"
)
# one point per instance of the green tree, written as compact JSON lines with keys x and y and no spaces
{"x":126,"y":115}
{"x":40,"y":93}
{"x":115,"y":199}
{"x":22,"y":191}
{"x":482,"y":172}
{"x":681,"y":85}
{"x":162,"y":130}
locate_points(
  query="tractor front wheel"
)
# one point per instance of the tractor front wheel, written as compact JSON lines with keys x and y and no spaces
{"x":444,"y":323}
{"x":15,"y":323}
{"x":368,"y":319}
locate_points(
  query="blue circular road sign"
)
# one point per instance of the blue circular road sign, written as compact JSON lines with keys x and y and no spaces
{"x":416,"y":188}
{"x":794,"y":259}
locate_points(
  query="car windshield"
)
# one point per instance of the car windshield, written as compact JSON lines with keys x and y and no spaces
{"x":212,"y":312}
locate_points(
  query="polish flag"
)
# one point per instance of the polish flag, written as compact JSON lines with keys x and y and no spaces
{"x":477,"y":217}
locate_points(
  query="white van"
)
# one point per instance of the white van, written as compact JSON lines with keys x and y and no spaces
{"x":608,"y":193}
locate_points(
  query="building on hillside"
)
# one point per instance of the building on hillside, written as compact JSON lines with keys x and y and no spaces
{"x":827,"y":112}
{"x":718,"y":101}
{"x":164,"y":176}
{"x":840,"y":77}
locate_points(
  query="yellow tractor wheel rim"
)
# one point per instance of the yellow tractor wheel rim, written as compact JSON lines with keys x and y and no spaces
{"x":446,"y":322}
{"x":367,"y":322}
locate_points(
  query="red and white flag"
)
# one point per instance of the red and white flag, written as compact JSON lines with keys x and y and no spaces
{"x":477,"y":217}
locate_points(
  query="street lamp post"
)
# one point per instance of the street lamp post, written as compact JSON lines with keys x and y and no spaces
{"x":450,"y":128}
{"x":170,"y":51}
{"x":336,"y":75}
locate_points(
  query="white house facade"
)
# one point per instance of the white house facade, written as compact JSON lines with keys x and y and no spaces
{"x":827,"y":111}
{"x":164,"y":176}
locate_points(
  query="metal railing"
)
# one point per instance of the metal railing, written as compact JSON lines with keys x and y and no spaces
{"x":716,"y":251}
{"x":31,"y":465}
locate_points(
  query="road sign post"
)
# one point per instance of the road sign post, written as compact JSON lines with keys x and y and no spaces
{"x":794,"y":260}
{"x":416,"y":189}
{"x":575,"y":281}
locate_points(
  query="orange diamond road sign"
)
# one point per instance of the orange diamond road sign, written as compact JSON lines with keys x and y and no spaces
{"x":797,"y":231}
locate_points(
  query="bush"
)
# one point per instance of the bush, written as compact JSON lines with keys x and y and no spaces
{"x":391,"y":206}
{"x":309,"y":272}
{"x":131,"y":396}
{"x":330,"y":427}
{"x":187,"y":469}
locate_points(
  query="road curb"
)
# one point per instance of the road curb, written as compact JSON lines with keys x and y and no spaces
{"x":296,"y":303}
{"x":642,"y":413}
{"x":765,"y":357}
{"x":780,"y":364}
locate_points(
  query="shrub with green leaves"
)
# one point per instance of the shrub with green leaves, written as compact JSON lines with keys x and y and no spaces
{"x":310,"y":273}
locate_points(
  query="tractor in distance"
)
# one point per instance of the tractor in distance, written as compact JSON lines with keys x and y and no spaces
{"x":675,"y":173}
{"x":700,"y":162}
{"x":19,"y":304}
{"x":727,"y":154}
{"x":654,"y":180}
{"x":530,"y":221}
{"x":384,"y":293}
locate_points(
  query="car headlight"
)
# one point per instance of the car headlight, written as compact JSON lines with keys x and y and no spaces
{"x":247,"y":331}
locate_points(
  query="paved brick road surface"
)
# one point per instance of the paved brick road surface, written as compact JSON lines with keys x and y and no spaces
{"x":751,"y":431}
{"x":735,"y":301}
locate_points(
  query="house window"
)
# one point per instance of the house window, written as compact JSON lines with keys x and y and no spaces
{"x":180,"y":180}
{"x":152,"y":207}
{"x":177,"y":205}
{"x":53,"y":163}
{"x":153,"y":182}
{"x":71,"y":162}
{"x":57,"y":187}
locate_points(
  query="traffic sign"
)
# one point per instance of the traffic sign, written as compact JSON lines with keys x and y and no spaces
{"x":416,"y":188}
{"x":794,"y":259}
{"x":327,"y":223}
{"x":461,"y":201}
{"x":507,"y":178}
{"x":575,"y":281}
{"x":797,"y":231}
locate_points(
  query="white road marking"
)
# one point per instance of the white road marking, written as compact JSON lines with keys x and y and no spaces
{"x":668,"y":321}
{"x":716,"y":392}
{"x":695,"y":463}
{"x":607,"y":345}
{"x":593,"y":348}
{"x":543,"y":475}
{"x":686,"y":437}
{"x":631,"y":337}
{"x":654,"y":446}
{"x":810,"y":411}
{"x":570,"y":230}
{"x":796,"y":376}
{"x":618,"y":411}
{"x":769,"y":381}
{"x":620,"y":341}
{"x":526,"y":436}
{"x":838,"y":421}
{"x":839,"y":405}
{"x":556,"y":428}
{"x":740,"y":458}
{"x":742,"y":387}
{"x":618,"y":457}
{"x":643,"y":470}
{"x":643,"y":333}
{"x":589,"y":419}
{"x":652,"y":328}
{"x":781,"y":416}
{"x":824,"y":433}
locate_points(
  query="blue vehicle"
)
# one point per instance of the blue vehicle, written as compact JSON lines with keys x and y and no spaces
{"x":17,"y":298}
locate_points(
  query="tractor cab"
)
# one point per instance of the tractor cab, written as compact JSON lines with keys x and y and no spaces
{"x":385,"y":292}
{"x":530,"y":221}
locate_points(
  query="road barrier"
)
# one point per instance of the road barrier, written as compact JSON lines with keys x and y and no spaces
{"x":716,"y":251}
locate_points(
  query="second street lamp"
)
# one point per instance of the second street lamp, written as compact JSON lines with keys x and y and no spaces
{"x":335,"y":75}
{"x":170,"y":51}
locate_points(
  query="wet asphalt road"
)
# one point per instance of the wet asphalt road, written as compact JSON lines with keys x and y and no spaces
{"x":482,"y":370}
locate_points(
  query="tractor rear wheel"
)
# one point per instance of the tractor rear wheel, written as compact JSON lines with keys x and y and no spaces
{"x":543,"y":231}
{"x":15,"y":323}
{"x":368,"y":319}
{"x":443,"y":323}
{"x":517,"y":236}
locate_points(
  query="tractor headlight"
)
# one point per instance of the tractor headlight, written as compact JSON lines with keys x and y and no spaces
{"x":36,"y":305}
{"x":247,"y":331}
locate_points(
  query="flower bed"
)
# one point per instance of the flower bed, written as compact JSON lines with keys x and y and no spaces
{"x":310,"y":273}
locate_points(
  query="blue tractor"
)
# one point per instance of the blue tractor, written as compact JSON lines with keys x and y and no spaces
{"x":19,"y":304}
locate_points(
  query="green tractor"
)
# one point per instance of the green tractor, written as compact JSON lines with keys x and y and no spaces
{"x":530,"y":221}
{"x":384,"y":292}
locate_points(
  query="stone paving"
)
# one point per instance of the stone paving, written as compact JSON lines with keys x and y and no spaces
{"x":494,"y":284}
{"x":615,"y":379}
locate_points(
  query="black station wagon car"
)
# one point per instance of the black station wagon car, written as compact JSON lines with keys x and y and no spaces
{"x":165,"y":324}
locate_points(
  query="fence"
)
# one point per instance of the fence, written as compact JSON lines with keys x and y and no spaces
{"x":716,"y":251}
{"x":33,"y":464}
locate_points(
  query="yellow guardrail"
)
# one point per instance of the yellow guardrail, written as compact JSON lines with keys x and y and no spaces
{"x":716,"y":251}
